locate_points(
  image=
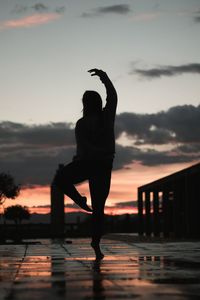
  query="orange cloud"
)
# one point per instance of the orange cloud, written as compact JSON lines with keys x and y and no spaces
{"x":29,"y":21}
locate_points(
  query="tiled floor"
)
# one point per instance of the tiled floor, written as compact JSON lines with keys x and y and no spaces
{"x":57,"y":270}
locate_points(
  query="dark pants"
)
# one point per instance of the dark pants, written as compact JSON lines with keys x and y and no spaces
{"x":98,"y":173}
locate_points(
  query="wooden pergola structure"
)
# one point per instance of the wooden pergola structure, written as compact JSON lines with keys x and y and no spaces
{"x":170,"y":206}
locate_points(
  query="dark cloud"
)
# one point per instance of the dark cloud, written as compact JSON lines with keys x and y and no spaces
{"x":19,"y":9}
{"x":53,"y":134}
{"x":179,"y":124}
{"x":156,"y":158}
{"x":117,"y":9}
{"x":169,"y":71}
{"x":60,"y":9}
{"x":35,"y":167}
{"x":124,"y":156}
{"x":189,"y":148}
{"x":41,"y":206}
{"x":197,"y":17}
{"x":37,"y":7}
{"x":120,"y":9}
{"x":32,"y":153}
{"x":156,"y":5}
{"x":40,"y":7}
{"x":126,"y":203}
{"x":150,"y":157}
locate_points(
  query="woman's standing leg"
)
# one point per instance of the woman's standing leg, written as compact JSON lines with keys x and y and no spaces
{"x":99,"y":184}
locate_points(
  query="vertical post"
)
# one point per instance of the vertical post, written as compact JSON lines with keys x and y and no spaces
{"x":57,"y":210}
{"x":180,"y":194}
{"x":178,"y":210}
{"x":192,"y":198}
{"x":147,"y":213}
{"x":166,"y":213}
{"x":196,"y":203}
{"x":140,"y":213}
{"x":156,"y":220}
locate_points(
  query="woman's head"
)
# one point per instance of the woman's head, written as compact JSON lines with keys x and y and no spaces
{"x":92,"y":103}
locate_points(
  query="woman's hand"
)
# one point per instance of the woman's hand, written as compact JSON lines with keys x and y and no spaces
{"x":96,"y":72}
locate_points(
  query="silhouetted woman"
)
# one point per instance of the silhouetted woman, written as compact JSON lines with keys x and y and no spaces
{"x":94,"y":157}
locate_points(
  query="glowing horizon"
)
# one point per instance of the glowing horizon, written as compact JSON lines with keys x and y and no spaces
{"x":123,"y":189}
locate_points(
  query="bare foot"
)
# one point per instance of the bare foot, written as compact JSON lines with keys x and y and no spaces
{"x":83,"y":204}
{"x":97,"y":250}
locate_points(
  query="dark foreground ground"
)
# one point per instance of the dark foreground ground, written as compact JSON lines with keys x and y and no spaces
{"x":130,"y":270}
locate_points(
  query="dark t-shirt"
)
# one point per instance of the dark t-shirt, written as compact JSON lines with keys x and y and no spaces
{"x":95,"y":134}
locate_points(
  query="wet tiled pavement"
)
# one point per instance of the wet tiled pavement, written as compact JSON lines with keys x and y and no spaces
{"x":59,"y":270}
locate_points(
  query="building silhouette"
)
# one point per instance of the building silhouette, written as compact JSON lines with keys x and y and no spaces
{"x":170,"y":206}
{"x":57,"y":210}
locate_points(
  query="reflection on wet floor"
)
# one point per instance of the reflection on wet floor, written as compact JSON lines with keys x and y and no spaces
{"x":58,"y":270}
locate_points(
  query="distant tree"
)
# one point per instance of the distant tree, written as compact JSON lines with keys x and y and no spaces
{"x":8,"y":188}
{"x":17,"y":213}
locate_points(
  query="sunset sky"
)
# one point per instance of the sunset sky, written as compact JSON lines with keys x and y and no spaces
{"x":151,"y":51}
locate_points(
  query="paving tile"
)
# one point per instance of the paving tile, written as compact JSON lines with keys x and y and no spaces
{"x":58,"y":270}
